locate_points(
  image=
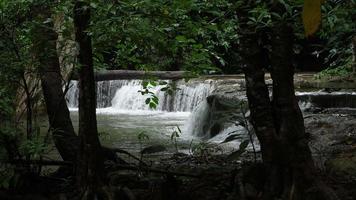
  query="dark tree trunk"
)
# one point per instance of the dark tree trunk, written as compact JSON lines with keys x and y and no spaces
{"x":61,"y":126}
{"x":90,"y":162}
{"x":258,"y":95}
{"x":354,"y":55}
{"x":293,"y":174}
{"x":296,"y":162}
{"x":278,"y":124}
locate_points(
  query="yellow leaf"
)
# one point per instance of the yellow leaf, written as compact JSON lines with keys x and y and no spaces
{"x":311,"y":16}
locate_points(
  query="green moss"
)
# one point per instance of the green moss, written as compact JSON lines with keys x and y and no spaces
{"x":344,"y":166}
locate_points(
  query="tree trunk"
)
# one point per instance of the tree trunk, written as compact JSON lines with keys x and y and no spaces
{"x":297,"y":176}
{"x":258,"y":94}
{"x":61,"y":126}
{"x":279,"y":125}
{"x":90,"y":162}
{"x":65,"y":138}
{"x":354,"y":55}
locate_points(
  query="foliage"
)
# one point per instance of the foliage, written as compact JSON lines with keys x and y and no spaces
{"x":341,"y":71}
{"x":34,"y":148}
{"x":17,"y":22}
{"x":104,"y":135}
{"x":338,"y":30}
{"x":8,"y":177}
{"x":174,"y":137}
{"x":152,"y":100}
{"x":198,"y":36}
{"x":10,"y":71}
{"x":204,"y":150}
{"x":142,"y":136}
{"x":151,"y":34}
{"x":149,"y":86}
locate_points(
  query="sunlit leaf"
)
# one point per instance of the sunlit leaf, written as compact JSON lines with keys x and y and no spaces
{"x":311,"y":16}
{"x":152,"y":105}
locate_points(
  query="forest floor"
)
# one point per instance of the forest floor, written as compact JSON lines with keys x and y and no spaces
{"x":181,"y":176}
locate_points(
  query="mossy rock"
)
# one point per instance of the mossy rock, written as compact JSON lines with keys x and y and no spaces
{"x":343,"y":166}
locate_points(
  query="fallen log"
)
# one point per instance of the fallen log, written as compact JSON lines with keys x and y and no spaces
{"x":133,"y":74}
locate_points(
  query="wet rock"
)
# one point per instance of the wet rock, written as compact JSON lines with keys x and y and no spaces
{"x":225,"y":105}
{"x":331,"y":135}
{"x":343,"y":166}
{"x":329,"y":99}
{"x":250,"y":191}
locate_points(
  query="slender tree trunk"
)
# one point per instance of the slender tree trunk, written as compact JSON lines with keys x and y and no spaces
{"x":354,"y":55}
{"x":258,"y":95}
{"x":28,"y":108}
{"x":65,"y":138}
{"x":90,"y":163}
{"x":61,"y":126}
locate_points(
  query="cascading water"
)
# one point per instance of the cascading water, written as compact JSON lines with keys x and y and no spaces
{"x":122,"y":99}
{"x":203,"y":109}
{"x":125,"y":95}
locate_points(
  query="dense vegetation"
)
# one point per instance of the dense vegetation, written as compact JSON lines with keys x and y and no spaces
{"x":202,"y":37}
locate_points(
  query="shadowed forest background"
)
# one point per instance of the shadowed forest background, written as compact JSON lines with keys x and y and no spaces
{"x":177,"y":99}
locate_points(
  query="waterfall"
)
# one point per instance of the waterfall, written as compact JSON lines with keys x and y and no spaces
{"x":328,"y":99}
{"x":197,"y":123}
{"x":72,"y":95}
{"x":125,"y":95}
{"x":211,"y":119}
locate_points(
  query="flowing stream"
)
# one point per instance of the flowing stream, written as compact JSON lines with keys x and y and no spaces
{"x":123,"y":115}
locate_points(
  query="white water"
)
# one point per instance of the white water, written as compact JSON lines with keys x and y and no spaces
{"x":122,"y":108}
{"x":187,"y":104}
{"x":124,"y":96}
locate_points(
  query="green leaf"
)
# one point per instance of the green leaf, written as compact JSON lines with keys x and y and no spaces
{"x":153,"y":83}
{"x":93,"y":5}
{"x":170,"y":91}
{"x":244,"y":145}
{"x":163,"y":83}
{"x":180,"y":131}
{"x":181,"y":38}
{"x":155,"y":100}
{"x":173,"y":135}
{"x":142,"y":136}
{"x":152,"y":105}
